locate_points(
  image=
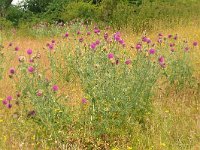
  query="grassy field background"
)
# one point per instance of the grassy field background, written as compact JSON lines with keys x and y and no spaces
{"x":174,"y":123}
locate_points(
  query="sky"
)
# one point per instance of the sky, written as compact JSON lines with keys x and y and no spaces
{"x":16,"y":2}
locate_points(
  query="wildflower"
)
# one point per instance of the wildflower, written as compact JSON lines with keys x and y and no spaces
{"x":195,"y":43}
{"x":106,"y":36}
{"x":97,"y":42}
{"x":18,"y":94}
{"x":162,"y":61}
{"x":55,"y":88}
{"x":186,"y":49}
{"x":152,"y":51}
{"x":31,"y":69}
{"x":31,"y":60}
{"x":121,"y":41}
{"x":171,"y":44}
{"x":169,"y":36}
{"x":4,"y":102}
{"x":148,"y":41}
{"x":31,"y":113}
{"x":9,"y":105}
{"x":88,"y":33}
{"x":176,"y":37}
{"x":159,"y":40}
{"x":12,"y":71}
{"x":97,"y":31}
{"x":17,"y":48}
{"x":81,"y":40}
{"x":39,"y":93}
{"x":110,"y":56}
{"x":78,"y":32}
{"x":50,"y":46}
{"x":84,"y":100}
{"x":172,"y":49}
{"x":10,"y":44}
{"x":66,"y":35}
{"x":9,"y":98}
{"x":160,"y":34}
{"x":53,"y":41}
{"x":128,"y":61}
{"x":138,"y":46}
{"x":117,"y":36}
{"x":117,"y":62}
{"x":93,"y":46}
{"x":29,"y":51}
{"x":144,"y":39}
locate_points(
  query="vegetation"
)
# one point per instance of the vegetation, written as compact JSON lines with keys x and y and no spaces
{"x":139,"y":15}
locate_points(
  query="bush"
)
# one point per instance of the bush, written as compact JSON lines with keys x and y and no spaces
{"x":79,"y":10}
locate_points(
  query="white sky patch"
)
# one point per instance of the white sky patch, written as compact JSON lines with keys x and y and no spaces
{"x":15,"y":2}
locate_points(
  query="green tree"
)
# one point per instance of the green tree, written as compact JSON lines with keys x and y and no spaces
{"x":4,"y":5}
{"x":37,"y":6}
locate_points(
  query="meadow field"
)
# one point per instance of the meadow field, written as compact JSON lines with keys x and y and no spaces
{"x":82,"y":84}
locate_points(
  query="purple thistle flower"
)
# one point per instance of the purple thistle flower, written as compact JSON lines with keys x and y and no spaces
{"x":159,"y":40}
{"x":81,"y":40}
{"x":144,"y":39}
{"x":195,"y":43}
{"x":9,"y":106}
{"x":55,"y":88}
{"x":121,"y":41}
{"x":39,"y":93}
{"x":31,"y":60}
{"x":97,"y":31}
{"x":152,"y":51}
{"x":117,"y":36}
{"x":148,"y":41}
{"x":12,"y":71}
{"x":29,"y":51}
{"x":10,"y":44}
{"x":53,"y":41}
{"x":50,"y":46}
{"x":186,"y":49}
{"x":97,"y":42}
{"x":138,"y":46}
{"x":66,"y":35}
{"x":160,"y":34}
{"x":18,"y":94}
{"x":110,"y":56}
{"x":128,"y":61}
{"x":176,"y":37}
{"x":106,"y":36}
{"x":93,"y":46}
{"x":9,"y":98}
{"x":31,"y":69}
{"x":169,"y":36}
{"x":84,"y":100}
{"x":4,"y":102}
{"x":88,"y":33}
{"x":172,"y":49}
{"x":171,"y":44}
{"x":78,"y":32}
{"x":31,"y":113}
{"x":117,"y":62}
{"x":161,"y":60}
{"x":17,"y":48}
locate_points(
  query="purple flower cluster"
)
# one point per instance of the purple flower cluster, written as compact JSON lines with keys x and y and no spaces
{"x":117,"y":37}
{"x":7,"y":102}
